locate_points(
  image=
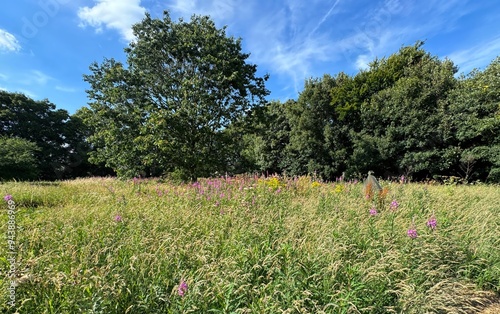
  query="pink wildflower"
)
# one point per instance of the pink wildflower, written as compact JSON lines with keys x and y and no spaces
{"x":183,"y":288}
{"x":394,"y":205}
{"x":432,"y":223}
{"x":412,"y":233}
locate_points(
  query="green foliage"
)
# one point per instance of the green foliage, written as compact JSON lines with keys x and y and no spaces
{"x":386,"y":119}
{"x":17,"y":159}
{"x":301,"y":137}
{"x":184,"y":84}
{"x":408,"y":114}
{"x":314,"y":132}
{"x":473,"y":123}
{"x":187,"y":104}
{"x":265,"y":142}
{"x":405,"y":115}
{"x":400,"y":123}
{"x":57,"y":135}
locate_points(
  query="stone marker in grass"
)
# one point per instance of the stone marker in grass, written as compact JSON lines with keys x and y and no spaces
{"x":371,"y":185}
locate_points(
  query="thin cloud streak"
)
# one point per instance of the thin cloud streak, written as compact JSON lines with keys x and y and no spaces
{"x":289,"y":45}
{"x":477,"y":56}
{"x":325,"y":17}
{"x":396,"y":23}
{"x":66,"y":89}
{"x":35,"y":77}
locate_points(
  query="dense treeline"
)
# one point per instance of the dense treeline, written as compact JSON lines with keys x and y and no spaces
{"x":187,"y":104}
{"x":39,"y":142}
{"x":405,"y":115}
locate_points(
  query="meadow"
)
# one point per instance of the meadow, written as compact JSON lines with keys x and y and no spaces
{"x":249,"y":245}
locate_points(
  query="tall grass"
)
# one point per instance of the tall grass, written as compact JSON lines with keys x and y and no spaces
{"x":252,"y":245}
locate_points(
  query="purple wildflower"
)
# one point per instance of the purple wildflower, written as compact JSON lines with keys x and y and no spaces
{"x":183,"y":288}
{"x":394,"y":205}
{"x":373,"y":212}
{"x":7,"y":197}
{"x":412,"y":233}
{"x":432,"y":223}
{"x":118,"y":218}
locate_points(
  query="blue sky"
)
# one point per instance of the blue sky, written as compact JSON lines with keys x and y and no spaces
{"x":47,"y":45}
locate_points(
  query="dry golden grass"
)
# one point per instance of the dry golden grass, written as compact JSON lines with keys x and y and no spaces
{"x":254,"y":245}
{"x":492,"y":309}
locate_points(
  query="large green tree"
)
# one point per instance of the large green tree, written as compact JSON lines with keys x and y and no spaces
{"x":472,"y":122}
{"x":167,"y":109}
{"x":400,"y":121}
{"x":316,"y":145}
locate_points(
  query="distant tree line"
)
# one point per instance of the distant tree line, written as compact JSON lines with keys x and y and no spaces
{"x":405,"y":115}
{"x":187,"y":104}
{"x":38,"y":142}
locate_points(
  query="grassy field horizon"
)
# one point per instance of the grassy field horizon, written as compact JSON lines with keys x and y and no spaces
{"x":248,"y":244}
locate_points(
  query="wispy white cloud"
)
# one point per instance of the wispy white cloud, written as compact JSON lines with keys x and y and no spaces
{"x":8,"y":42}
{"x":363,"y":61}
{"x":65,"y":89}
{"x":35,"y":77}
{"x":290,"y":41}
{"x":290,"y":44}
{"x":112,"y":14}
{"x":282,"y":39}
{"x":477,"y":56}
{"x":394,"y":23}
{"x":380,"y":31}
{"x":39,"y":77}
{"x":22,"y":91}
{"x":26,"y":92}
{"x":295,"y":39}
{"x":184,"y":8}
{"x":3,"y":77}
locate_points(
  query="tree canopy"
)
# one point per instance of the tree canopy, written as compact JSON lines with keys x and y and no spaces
{"x":167,"y":109}
{"x":188,"y":104}
{"x":47,"y":143}
{"x":406,"y":114}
